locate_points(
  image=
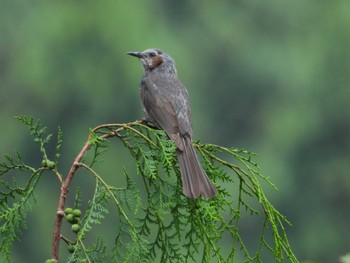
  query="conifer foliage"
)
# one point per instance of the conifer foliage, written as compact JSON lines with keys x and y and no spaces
{"x":163,"y":225}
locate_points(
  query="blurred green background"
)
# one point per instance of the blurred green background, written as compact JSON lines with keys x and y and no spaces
{"x":269,"y":76}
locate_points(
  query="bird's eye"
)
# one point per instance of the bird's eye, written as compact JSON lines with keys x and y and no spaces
{"x":152,"y":54}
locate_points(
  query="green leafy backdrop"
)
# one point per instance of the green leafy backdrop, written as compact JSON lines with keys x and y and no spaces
{"x":269,"y":76}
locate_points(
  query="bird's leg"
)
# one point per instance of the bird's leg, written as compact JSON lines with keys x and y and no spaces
{"x":149,"y":123}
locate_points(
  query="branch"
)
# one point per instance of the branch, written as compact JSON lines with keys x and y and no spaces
{"x":116,"y":128}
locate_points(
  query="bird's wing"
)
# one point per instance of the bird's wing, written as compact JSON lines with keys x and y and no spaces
{"x":158,"y":103}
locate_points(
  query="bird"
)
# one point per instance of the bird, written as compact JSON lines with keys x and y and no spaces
{"x":166,"y":106}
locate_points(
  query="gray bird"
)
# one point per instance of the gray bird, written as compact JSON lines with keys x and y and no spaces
{"x":166,"y":105}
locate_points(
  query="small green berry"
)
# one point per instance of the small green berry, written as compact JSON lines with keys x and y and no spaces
{"x":68,"y":210}
{"x":71,"y":248}
{"x":50,"y":260}
{"x":70,"y":218}
{"x":77,"y":212}
{"x":51,"y":164}
{"x":44,"y":163}
{"x":75,"y":220}
{"x":75,"y":228}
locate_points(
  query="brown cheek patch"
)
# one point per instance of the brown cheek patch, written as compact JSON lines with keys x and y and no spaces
{"x":156,"y":61}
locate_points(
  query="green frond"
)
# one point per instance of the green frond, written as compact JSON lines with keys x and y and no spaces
{"x":77,"y":198}
{"x":96,"y":208}
{"x":163,"y":225}
{"x":15,"y":203}
{"x":58,"y":144}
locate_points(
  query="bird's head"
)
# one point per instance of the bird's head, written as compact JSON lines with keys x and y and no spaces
{"x":155,"y":59}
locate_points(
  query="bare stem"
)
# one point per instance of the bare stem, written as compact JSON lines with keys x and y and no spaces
{"x":76,"y":164}
{"x":64,"y":190}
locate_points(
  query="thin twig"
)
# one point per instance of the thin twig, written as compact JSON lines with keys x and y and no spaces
{"x":76,"y":164}
{"x":64,"y":191}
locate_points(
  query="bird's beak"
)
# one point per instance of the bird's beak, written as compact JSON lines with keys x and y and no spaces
{"x":135,"y":54}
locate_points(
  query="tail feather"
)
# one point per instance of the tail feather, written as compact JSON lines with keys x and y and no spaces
{"x":195,"y":181}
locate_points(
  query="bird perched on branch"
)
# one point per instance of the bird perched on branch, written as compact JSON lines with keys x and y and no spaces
{"x":166,"y":105}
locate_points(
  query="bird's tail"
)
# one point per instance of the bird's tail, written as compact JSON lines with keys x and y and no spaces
{"x":195,"y":181}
